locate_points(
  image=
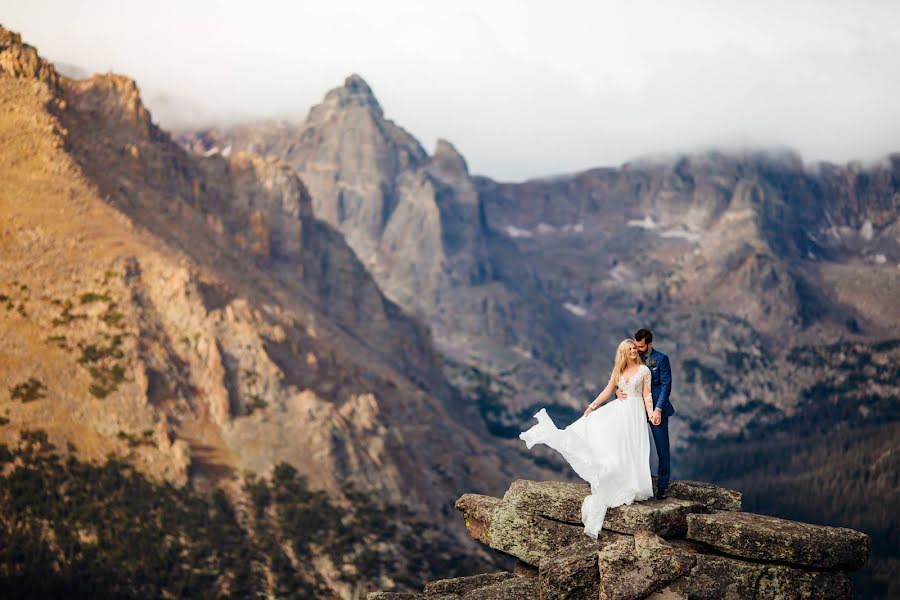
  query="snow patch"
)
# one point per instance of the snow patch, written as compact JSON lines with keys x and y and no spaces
{"x":543,"y":229}
{"x":867,"y":231}
{"x":646,"y":223}
{"x":522,"y":352}
{"x":578,"y":311}
{"x":681,"y":234}
{"x":515,"y":232}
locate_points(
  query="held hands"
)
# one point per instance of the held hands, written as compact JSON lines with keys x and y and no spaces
{"x":655,"y":417}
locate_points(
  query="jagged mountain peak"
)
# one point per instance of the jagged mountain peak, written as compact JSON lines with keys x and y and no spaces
{"x":448,"y":160}
{"x":354,"y":92}
{"x":21,"y":60}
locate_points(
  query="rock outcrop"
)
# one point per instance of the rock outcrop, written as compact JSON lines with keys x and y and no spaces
{"x":695,"y":544}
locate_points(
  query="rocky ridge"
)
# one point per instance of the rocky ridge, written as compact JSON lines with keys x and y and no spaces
{"x":191,"y":316}
{"x":523,"y":283}
{"x":417,"y":222}
{"x":695,"y":544}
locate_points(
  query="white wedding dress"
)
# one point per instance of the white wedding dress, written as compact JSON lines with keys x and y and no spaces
{"x":609,"y":448}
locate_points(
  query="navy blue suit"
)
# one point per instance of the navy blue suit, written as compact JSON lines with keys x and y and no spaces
{"x":660,"y":388}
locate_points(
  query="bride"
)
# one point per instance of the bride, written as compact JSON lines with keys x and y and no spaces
{"x":609,"y":446}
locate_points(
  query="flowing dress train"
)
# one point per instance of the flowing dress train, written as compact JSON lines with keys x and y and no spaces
{"x":609,"y":448}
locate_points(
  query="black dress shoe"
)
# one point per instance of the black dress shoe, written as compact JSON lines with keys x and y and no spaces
{"x":661,"y":495}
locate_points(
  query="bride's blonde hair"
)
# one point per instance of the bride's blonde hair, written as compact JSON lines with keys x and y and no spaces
{"x":621,"y":360}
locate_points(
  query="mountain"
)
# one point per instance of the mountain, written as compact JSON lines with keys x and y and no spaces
{"x":528,"y":282}
{"x":418,"y":223}
{"x":771,"y":283}
{"x":190,"y":316}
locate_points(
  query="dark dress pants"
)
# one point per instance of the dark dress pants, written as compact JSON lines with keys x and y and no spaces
{"x":661,"y":441}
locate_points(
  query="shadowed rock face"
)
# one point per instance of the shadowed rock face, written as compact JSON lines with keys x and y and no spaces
{"x":642,"y":564}
{"x":462,"y":585}
{"x":571,"y":571}
{"x":634,"y":567}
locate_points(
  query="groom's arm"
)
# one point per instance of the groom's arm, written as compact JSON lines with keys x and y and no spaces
{"x":665,"y":383}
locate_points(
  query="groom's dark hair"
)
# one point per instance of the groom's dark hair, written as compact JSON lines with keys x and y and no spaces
{"x":644,"y":334}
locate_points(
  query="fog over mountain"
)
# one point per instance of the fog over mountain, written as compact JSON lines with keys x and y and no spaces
{"x":526,"y":89}
{"x":289,"y":320}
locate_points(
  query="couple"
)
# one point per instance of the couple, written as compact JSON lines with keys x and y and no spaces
{"x":609,"y":447}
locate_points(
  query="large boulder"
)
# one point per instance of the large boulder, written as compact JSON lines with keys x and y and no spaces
{"x":571,"y":572}
{"x":556,"y":500}
{"x":667,"y":518}
{"x":463,"y":585}
{"x":478,"y":512}
{"x":714,"y":577}
{"x":514,"y":588}
{"x":712,"y":496}
{"x":771,"y":539}
{"x":784,"y":582}
{"x":634,"y":567}
{"x":511,"y":527}
{"x":562,"y":501}
{"x":527,"y":536}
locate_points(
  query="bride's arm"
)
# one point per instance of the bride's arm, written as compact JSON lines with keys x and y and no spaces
{"x":601,"y":398}
{"x":648,"y":395}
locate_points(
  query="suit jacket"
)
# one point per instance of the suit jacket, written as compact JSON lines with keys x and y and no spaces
{"x":660,"y":380}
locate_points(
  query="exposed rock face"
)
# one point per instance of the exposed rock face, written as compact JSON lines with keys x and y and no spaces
{"x":192,"y":316}
{"x":418,"y":224}
{"x":489,"y":586}
{"x":769,"y":538}
{"x":644,"y":565}
{"x":571,"y":571}
{"x":463,"y":585}
{"x":634,"y":567}
{"x":530,"y":285}
{"x":722,"y":252}
{"x":712,"y":496}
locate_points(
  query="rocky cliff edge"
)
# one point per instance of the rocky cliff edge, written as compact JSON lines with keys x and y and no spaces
{"x":697,"y":543}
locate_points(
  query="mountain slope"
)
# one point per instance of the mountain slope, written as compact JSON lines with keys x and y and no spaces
{"x":191,"y":316}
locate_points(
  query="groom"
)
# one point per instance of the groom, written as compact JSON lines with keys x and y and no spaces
{"x":660,"y":387}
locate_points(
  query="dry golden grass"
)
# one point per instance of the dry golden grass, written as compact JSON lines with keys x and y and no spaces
{"x":58,"y":242}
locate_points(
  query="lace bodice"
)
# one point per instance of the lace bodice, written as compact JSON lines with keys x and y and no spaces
{"x":634,"y":385}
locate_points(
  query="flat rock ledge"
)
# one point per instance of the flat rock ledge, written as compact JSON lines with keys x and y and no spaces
{"x":695,"y":544}
{"x":758,"y":537}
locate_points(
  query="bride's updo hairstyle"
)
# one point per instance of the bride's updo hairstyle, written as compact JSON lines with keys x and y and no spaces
{"x":621,"y":360}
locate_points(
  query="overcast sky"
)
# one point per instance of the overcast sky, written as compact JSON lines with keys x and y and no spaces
{"x":522,"y":88}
